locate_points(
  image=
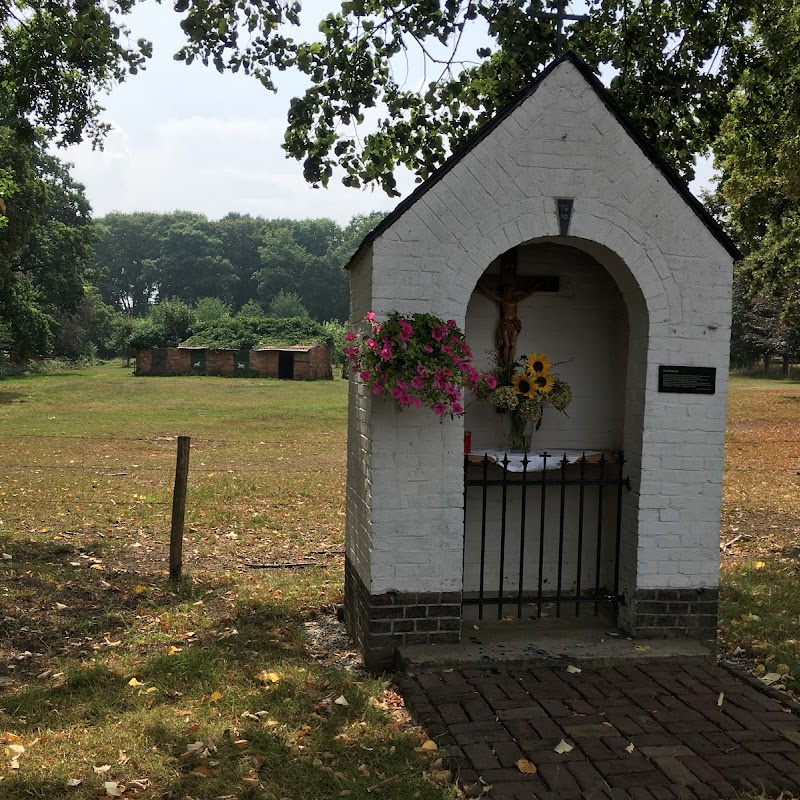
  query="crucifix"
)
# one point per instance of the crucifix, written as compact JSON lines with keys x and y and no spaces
{"x":559,"y":15}
{"x":507,"y":289}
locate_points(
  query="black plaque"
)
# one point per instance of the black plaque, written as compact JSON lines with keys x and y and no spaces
{"x":564,"y":209}
{"x":687,"y":380}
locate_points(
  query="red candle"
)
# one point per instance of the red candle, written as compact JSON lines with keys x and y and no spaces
{"x":467,"y":442}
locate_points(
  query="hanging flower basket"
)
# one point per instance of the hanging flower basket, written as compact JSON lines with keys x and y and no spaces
{"x":417,"y":361}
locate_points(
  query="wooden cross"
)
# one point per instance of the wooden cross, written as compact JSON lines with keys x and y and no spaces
{"x":559,"y":16}
{"x":507,"y":289}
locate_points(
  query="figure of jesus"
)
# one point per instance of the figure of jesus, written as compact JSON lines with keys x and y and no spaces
{"x":509,"y":326}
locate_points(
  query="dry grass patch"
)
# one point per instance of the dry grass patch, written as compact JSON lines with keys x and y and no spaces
{"x":760,"y":558}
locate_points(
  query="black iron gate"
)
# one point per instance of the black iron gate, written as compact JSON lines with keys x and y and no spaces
{"x":525,"y":522}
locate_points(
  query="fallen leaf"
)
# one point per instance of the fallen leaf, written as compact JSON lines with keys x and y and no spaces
{"x":174,"y":650}
{"x":7,"y":557}
{"x":720,"y":698}
{"x":268,"y":677}
{"x":14,"y":750}
{"x":783,"y":669}
{"x":760,"y":565}
{"x":61,"y":607}
{"x":630,"y":748}
{"x":573,"y":670}
{"x":139,"y":589}
{"x":74,"y":782}
{"x":563,"y":747}
{"x":113,"y":789}
{"x":102,"y":770}
{"x":240,"y":743}
{"x":9,"y":738}
{"x":135,"y":682}
{"x":215,"y":696}
{"x":429,"y":744}
{"x":528,"y":767}
{"x":203,"y":771}
{"x":96,"y":566}
{"x":641,"y":647}
{"x":251,"y":778}
{"x":341,"y":700}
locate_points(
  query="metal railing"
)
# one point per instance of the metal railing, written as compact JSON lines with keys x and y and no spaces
{"x":537,"y":549}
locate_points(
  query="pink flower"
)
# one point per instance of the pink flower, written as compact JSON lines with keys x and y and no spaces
{"x":401,"y":385}
{"x":439,"y":332}
{"x":491,"y":381}
{"x":365,"y":375}
{"x":396,"y":393}
{"x":440,"y":409}
{"x":427,"y":348}
{"x":377,"y":388}
{"x":458,"y":408}
{"x":348,"y":337}
{"x":371,"y":316}
{"x":417,"y":382}
{"x":416,"y":402}
{"x":451,"y":323}
{"x":372,"y":344}
{"x":421,"y":371}
{"x":405,"y":330}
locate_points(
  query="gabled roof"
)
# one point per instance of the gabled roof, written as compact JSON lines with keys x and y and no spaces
{"x":671,"y":176}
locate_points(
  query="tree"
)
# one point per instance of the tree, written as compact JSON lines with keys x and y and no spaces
{"x":23,"y":195}
{"x":241,"y":236}
{"x":759,"y":158}
{"x":286,"y":305}
{"x":59,"y":251}
{"x":191,"y":262}
{"x":44,"y":276}
{"x":127,"y":246}
{"x":675,"y":63}
{"x":56,"y":57}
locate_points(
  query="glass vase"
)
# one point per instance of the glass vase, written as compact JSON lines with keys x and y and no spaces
{"x":519,"y":433}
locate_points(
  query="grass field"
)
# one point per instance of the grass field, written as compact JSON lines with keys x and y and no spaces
{"x":211,"y":690}
{"x":110,"y":677}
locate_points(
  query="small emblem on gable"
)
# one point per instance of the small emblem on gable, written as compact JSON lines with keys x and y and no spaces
{"x":564,"y":210}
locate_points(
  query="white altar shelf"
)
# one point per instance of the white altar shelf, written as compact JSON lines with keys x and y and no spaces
{"x":536,"y":461}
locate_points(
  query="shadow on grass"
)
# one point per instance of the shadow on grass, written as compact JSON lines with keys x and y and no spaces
{"x":7,"y":397}
{"x":54,"y":610}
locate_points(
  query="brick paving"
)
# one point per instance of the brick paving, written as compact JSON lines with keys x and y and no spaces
{"x":685,"y":745}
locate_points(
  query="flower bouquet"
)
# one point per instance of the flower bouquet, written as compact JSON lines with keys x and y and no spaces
{"x":417,"y":361}
{"x":524,"y":388}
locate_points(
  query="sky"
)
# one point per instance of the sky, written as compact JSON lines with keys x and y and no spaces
{"x":190,"y":138}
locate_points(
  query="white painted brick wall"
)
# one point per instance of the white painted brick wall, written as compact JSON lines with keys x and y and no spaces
{"x":675,"y":280}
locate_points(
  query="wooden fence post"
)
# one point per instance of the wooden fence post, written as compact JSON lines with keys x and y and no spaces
{"x":178,"y":509}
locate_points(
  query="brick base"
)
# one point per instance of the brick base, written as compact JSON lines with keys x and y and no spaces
{"x":379,"y":623}
{"x":676,"y":614}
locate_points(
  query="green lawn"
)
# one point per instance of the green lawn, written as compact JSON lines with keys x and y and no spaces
{"x":110,"y":676}
{"x":212,"y":689}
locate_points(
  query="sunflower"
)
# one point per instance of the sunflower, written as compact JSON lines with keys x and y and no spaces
{"x":538,"y":363}
{"x":524,"y":384}
{"x":543,"y":383}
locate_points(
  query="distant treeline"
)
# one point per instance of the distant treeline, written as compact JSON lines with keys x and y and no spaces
{"x":143,"y":258}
